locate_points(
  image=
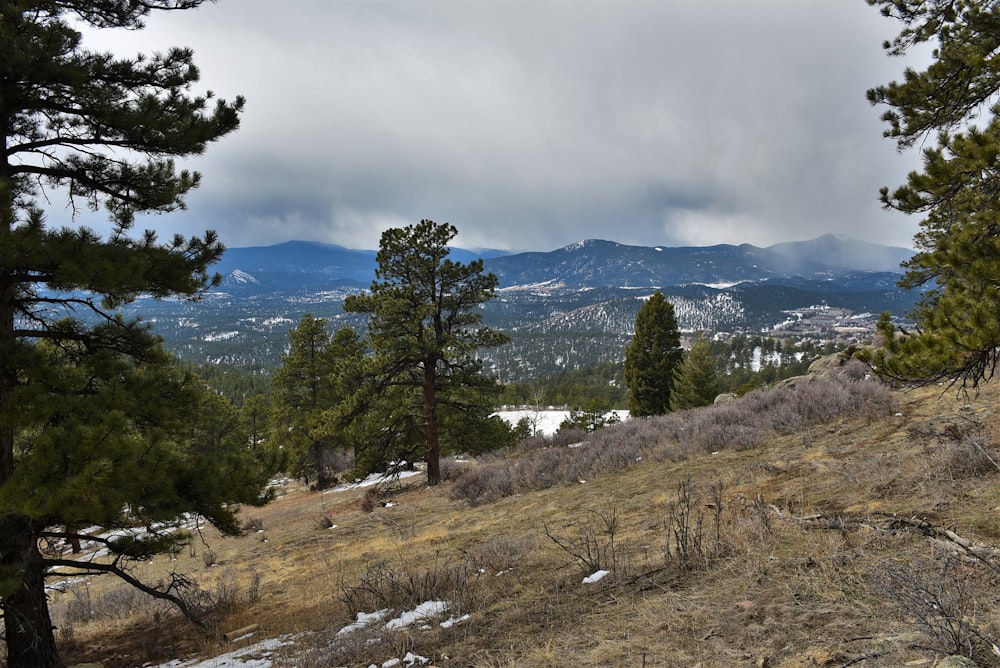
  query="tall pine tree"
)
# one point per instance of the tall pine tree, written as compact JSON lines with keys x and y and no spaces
{"x":952,"y":102}
{"x":106,"y":132}
{"x":652,"y":356}
{"x":424,"y":324}
{"x":319,"y":372}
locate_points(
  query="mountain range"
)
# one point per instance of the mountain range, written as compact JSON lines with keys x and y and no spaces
{"x":300,"y":265}
{"x":569,"y":308}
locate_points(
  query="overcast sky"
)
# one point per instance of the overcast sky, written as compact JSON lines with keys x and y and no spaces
{"x":531,"y":124}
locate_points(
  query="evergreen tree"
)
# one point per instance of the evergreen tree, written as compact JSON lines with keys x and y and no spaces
{"x":952,"y":101}
{"x":595,"y":414}
{"x":696,"y":382}
{"x":652,"y":356}
{"x":318,"y":373}
{"x":424,"y":322}
{"x":106,"y":131}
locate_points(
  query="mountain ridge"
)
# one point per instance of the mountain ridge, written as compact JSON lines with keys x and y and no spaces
{"x":305,"y":265}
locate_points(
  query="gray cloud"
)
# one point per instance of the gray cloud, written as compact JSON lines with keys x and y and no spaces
{"x":530,"y":125}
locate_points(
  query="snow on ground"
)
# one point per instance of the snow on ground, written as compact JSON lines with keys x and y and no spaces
{"x":258,"y":655}
{"x":546,"y":422}
{"x":374,"y":479}
{"x":262,"y":654}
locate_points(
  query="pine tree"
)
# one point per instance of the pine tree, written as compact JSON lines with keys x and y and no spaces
{"x":319,"y":372}
{"x":652,"y":356}
{"x":952,"y":101}
{"x":424,"y":323}
{"x":696,"y":382}
{"x":106,"y":131}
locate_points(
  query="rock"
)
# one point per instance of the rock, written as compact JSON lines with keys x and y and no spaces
{"x":824,"y":365}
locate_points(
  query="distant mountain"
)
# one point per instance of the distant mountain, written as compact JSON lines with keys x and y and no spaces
{"x":303,"y":266}
{"x":307,"y":265}
{"x":595,"y":263}
{"x":294,"y":266}
{"x":570,"y":308}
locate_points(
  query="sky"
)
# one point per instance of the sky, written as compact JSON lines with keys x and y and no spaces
{"x":533,"y":124}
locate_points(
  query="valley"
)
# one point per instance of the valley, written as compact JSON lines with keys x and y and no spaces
{"x":572,"y":308}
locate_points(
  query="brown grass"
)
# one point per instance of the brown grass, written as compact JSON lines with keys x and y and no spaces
{"x":794,"y":554}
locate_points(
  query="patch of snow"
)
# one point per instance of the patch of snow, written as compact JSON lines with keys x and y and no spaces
{"x":597,"y":576}
{"x":451,"y":621}
{"x":410,"y":659}
{"x":220,"y":336}
{"x":541,"y":286}
{"x":259,"y":655}
{"x":423,"y":612}
{"x":373,"y":479}
{"x":243,"y":277}
{"x":363,"y":620}
{"x":721,"y":285}
{"x":545,"y":422}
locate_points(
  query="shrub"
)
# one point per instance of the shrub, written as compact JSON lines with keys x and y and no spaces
{"x":940,"y":599}
{"x":748,"y":422}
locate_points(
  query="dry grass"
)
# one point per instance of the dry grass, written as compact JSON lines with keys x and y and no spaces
{"x":780,"y":551}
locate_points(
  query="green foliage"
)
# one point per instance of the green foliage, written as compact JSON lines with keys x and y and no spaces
{"x":93,"y":419}
{"x":958,"y":258}
{"x":424,"y":325}
{"x":111,"y":442}
{"x":696,"y":382}
{"x":571,"y":387}
{"x":594,"y":415}
{"x":237,"y":384}
{"x":652,"y":356}
{"x":780,"y":360}
{"x":318,"y":375}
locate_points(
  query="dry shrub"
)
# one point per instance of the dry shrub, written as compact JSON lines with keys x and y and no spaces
{"x":749,"y":422}
{"x":957,"y":447}
{"x":400,"y":588}
{"x":591,"y":541}
{"x":252,"y":525}
{"x":484,"y":483}
{"x":971,"y":457}
{"x":233,"y":594}
{"x":504,"y":553}
{"x":943,"y":600}
{"x":371,"y":499}
{"x":118,"y":603}
{"x":692,"y":540}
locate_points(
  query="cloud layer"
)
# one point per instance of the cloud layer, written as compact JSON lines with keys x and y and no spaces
{"x":533,"y":124}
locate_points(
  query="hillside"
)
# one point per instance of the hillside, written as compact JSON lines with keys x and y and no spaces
{"x":819,"y":525}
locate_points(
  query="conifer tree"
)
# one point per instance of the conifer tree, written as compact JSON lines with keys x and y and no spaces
{"x":74,"y":438}
{"x":696,"y":382}
{"x":950,"y":109}
{"x":652,"y":356}
{"x":424,"y":324}
{"x":319,"y":372}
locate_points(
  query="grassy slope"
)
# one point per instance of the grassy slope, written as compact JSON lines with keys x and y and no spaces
{"x":806,"y":533}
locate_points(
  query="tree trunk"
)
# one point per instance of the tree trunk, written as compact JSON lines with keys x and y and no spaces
{"x":27,"y":625}
{"x":430,"y":425}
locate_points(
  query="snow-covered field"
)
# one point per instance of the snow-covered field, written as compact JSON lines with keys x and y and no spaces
{"x":546,"y":421}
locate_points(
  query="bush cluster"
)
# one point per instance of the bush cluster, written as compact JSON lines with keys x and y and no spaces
{"x":748,"y":422}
